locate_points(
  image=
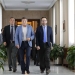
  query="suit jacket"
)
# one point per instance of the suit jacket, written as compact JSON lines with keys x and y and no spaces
{"x":6,"y":34}
{"x":1,"y":38}
{"x":39,"y":36}
{"x":19,"y":35}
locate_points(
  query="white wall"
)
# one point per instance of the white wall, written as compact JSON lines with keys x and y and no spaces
{"x":0,"y":18}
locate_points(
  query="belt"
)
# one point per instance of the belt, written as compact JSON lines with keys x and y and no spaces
{"x":45,"y":43}
{"x":12,"y":41}
{"x":24,"y":41}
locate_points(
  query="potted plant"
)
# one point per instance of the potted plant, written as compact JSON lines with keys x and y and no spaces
{"x":71,"y":57}
{"x":3,"y":56}
{"x":1,"y":66}
{"x":57,"y":52}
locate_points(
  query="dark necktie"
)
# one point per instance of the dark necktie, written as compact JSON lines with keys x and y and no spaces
{"x":11,"y":33}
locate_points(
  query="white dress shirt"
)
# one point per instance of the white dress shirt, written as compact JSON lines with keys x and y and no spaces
{"x":24,"y":30}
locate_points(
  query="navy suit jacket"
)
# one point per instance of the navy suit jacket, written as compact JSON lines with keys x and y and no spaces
{"x":39,"y":36}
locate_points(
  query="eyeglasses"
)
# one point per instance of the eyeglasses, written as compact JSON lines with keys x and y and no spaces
{"x":44,"y":20}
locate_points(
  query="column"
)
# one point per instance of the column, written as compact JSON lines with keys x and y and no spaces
{"x":53,"y":24}
{"x":61,"y":22}
{"x":71,"y":26}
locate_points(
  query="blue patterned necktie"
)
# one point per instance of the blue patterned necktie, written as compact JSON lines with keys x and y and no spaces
{"x":11,"y":33}
{"x":45,"y":38}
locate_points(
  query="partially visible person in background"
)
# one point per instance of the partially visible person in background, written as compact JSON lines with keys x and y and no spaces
{"x":1,"y":36}
{"x":18,"y":57}
{"x":36,"y":53}
{"x":33,"y":49}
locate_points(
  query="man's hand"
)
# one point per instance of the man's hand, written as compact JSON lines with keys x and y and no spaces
{"x":5,"y":43}
{"x":27,"y":39}
{"x":38,"y":47}
{"x":17,"y":46}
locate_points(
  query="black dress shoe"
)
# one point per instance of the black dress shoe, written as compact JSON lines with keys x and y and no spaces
{"x":28,"y":72}
{"x":34,"y":63}
{"x":37,"y":64}
{"x":10,"y":69}
{"x":42,"y":71}
{"x":23,"y":72}
{"x":14,"y":70}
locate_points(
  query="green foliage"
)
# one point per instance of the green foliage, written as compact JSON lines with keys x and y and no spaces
{"x":1,"y":63}
{"x":56,"y":52}
{"x":71,"y":56}
{"x":3,"y":55}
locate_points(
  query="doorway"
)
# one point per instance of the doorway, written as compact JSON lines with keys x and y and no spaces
{"x":33,"y":22}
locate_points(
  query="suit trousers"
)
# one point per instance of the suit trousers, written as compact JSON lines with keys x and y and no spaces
{"x":25,"y":46}
{"x":11,"y":53}
{"x":36,"y":56}
{"x":45,"y":57}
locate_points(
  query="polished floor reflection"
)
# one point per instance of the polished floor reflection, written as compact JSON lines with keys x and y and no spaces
{"x":55,"y":70}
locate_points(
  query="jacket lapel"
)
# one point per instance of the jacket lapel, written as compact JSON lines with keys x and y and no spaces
{"x":47,"y":33}
{"x":15,"y":27}
{"x":27,"y":31}
{"x":9,"y":30}
{"x":21,"y":31}
{"x":42,"y":33}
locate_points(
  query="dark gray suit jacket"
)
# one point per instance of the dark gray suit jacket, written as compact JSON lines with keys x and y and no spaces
{"x":1,"y":38}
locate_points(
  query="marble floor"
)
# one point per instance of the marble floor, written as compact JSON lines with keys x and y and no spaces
{"x":34,"y":70}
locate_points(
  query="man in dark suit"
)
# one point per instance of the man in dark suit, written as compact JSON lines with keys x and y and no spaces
{"x":8,"y":39}
{"x":44,"y":38}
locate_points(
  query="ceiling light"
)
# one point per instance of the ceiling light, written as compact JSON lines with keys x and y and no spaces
{"x":28,"y":2}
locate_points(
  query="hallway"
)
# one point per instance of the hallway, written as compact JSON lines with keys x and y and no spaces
{"x":34,"y":70}
{"x":60,"y":15}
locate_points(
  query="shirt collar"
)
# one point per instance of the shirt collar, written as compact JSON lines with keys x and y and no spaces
{"x":12,"y":25}
{"x":44,"y":26}
{"x":24,"y":26}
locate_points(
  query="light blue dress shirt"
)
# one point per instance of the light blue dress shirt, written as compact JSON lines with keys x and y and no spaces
{"x":45,"y":33}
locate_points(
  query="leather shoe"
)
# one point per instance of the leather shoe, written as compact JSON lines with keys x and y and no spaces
{"x":34,"y":63}
{"x":28,"y":72}
{"x":37,"y":64}
{"x":10,"y":69}
{"x":23,"y":72}
{"x":14,"y":70}
{"x":42,"y":71}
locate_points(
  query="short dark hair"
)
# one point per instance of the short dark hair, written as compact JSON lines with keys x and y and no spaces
{"x":23,"y":18}
{"x":2,"y":29}
{"x":12,"y":17}
{"x":43,"y":17}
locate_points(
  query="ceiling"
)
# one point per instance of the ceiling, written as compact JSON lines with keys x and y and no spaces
{"x":27,"y":4}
